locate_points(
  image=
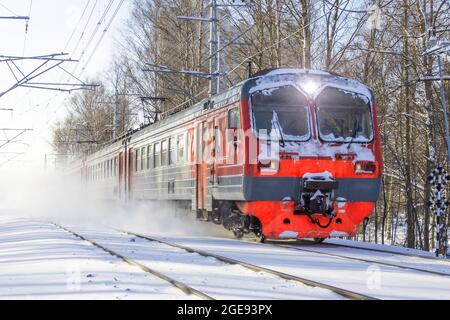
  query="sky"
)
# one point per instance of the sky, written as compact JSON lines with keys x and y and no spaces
{"x":54,"y":26}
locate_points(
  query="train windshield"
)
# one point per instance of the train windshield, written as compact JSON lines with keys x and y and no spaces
{"x":282,"y":111}
{"x":344,"y":116}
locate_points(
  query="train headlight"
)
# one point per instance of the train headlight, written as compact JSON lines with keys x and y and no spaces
{"x":310,"y":87}
{"x":365,"y":167}
{"x":271,"y":166}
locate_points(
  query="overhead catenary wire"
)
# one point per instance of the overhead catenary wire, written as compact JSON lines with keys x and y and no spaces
{"x":85,"y":28}
{"x":101,"y":20}
{"x":102,"y":37}
{"x":7,"y":9}
{"x":77,"y":25}
{"x":274,"y":44}
{"x":93,"y":34}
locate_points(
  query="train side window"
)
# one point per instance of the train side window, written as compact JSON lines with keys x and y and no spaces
{"x":234,"y":119}
{"x":157,"y":156}
{"x":180,"y":147}
{"x":149,"y":156}
{"x":164,"y":159}
{"x":172,"y":151}
{"x":143,"y":159}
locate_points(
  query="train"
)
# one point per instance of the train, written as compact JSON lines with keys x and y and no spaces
{"x":288,"y":153}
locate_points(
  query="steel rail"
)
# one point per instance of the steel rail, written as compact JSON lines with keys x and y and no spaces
{"x":342,"y":292}
{"x":180,"y":285}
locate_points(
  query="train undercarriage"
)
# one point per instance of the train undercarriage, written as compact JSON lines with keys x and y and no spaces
{"x":316,"y":200}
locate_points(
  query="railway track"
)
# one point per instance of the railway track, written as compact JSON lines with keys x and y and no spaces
{"x":373,"y":261}
{"x":188,"y":290}
{"x":340,"y":291}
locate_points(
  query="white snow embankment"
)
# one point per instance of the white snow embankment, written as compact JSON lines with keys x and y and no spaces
{"x":372,"y":279}
{"x":378,"y":246}
{"x":215,"y":278}
{"x":39,"y":261}
{"x":391,"y":258}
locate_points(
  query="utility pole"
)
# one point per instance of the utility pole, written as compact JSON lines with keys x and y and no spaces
{"x":439,"y":49}
{"x":214,"y":74}
{"x":214,"y":67}
{"x":116,"y":114}
{"x":438,"y":177}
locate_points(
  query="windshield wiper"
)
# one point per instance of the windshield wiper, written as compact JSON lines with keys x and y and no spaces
{"x":354,"y":132}
{"x":276,"y":122}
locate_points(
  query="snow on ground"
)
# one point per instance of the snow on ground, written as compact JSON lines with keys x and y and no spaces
{"x":433,"y":265}
{"x":383,"y":282}
{"x":217,"y":279}
{"x":39,"y":261}
{"x":378,"y":246}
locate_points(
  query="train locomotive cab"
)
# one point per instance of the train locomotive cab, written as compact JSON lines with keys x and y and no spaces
{"x":312,"y":155}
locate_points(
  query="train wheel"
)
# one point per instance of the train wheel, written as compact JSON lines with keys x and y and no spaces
{"x":319,"y":240}
{"x":238,"y":233}
{"x":260,"y":237}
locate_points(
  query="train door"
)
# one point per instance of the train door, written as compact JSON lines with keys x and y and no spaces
{"x":202,"y":168}
{"x":209,"y":158}
{"x":214,"y":152}
{"x":125,"y":173}
{"x":122,"y":190}
{"x":129,"y":172}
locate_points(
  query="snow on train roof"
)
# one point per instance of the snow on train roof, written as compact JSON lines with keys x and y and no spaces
{"x":272,"y":79}
{"x":297,"y":71}
{"x":299,"y":77}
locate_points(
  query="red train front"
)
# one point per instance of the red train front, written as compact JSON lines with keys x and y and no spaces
{"x":316,"y":171}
